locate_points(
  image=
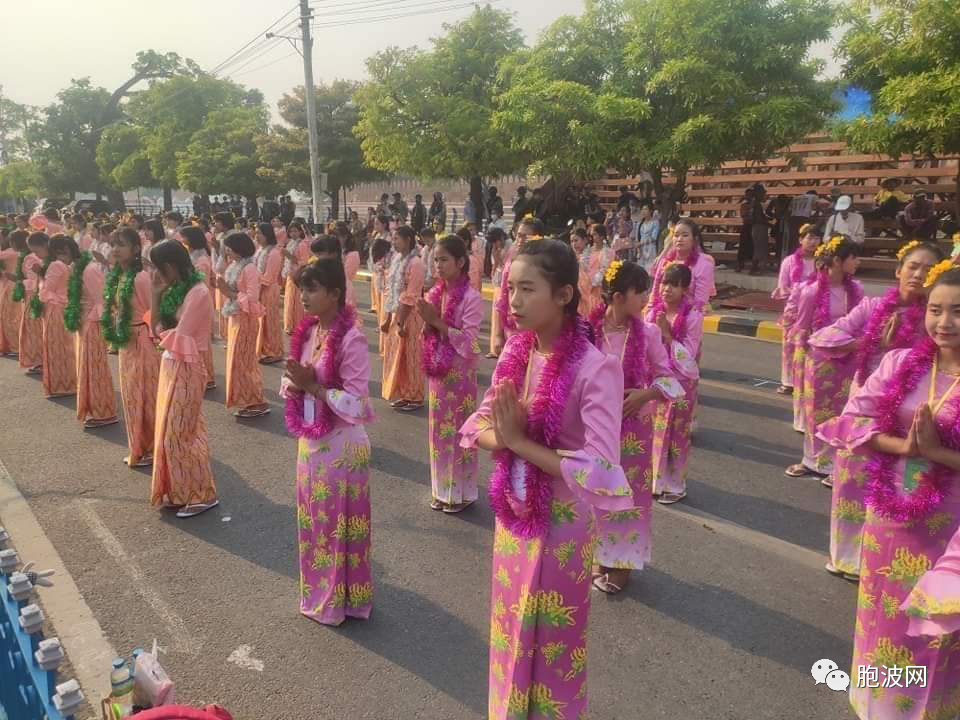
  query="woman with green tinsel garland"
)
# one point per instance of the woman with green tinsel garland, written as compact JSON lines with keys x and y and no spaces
{"x":59,"y":353}
{"x":30,"y":338}
{"x":182,"y":315}
{"x":96,"y":406}
{"x":126,"y":303}
{"x":11,"y":308}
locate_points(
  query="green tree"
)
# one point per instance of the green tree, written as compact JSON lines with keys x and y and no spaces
{"x":222,"y":155}
{"x":662,"y":86}
{"x":15,"y":118}
{"x":907,"y":54}
{"x":172,"y":110}
{"x":20,"y":180}
{"x":122,"y":157}
{"x":428,"y":113}
{"x":284,"y":152}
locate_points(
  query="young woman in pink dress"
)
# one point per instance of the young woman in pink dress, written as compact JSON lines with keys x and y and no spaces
{"x":351,"y":262}
{"x":403,"y":379}
{"x":126,"y":298}
{"x":580,"y":242}
{"x":182,"y":314}
{"x":295,"y":253}
{"x":240,"y":288}
{"x":195,"y":241}
{"x":529,"y":228}
{"x":30,"y":338}
{"x":681,"y":333}
{"x":686,"y":248}
{"x":451,"y":312}
{"x":497,"y":237}
{"x":326,"y":387}
{"x":906,"y":419}
{"x":876,"y":326}
{"x":620,"y":331}
{"x":96,"y":403}
{"x":824,"y":381}
{"x":12,"y":302}
{"x":794,"y":270}
{"x":269,"y":262}
{"x":59,"y":350}
{"x":552,"y":419}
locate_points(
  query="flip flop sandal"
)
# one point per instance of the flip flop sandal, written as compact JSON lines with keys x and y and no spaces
{"x":436,"y":505}
{"x":603,"y":584}
{"x":410,"y":407}
{"x":247,"y":414}
{"x":210,"y":386}
{"x":196,"y":508}
{"x":459,"y":507}
{"x":784,"y":390}
{"x":671,"y":498}
{"x":850,"y":577}
{"x":91,"y":424}
{"x":142,"y":462}
{"x":491,"y":356}
{"x":34,"y":371}
{"x":799,"y":470}
{"x":397,"y":404}
{"x":827,"y":482}
{"x":833,"y":569}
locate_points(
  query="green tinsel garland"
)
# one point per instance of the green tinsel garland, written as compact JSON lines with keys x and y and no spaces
{"x":71,"y":314}
{"x":118,"y":333}
{"x":173,"y":298}
{"x":19,"y":291}
{"x":36,"y":306}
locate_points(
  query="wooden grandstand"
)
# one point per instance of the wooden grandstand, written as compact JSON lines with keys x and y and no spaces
{"x":712,"y":197}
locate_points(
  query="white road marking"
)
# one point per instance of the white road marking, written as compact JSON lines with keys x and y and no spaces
{"x":242,"y":657}
{"x":182,"y":640}
{"x":734,"y":388}
{"x":774,"y":545}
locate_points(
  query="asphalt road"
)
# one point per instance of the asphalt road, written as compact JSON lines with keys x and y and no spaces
{"x":725,"y":623}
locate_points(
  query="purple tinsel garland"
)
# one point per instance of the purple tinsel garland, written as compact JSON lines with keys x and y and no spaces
{"x":910,"y":324}
{"x":635,"y":371}
{"x":438,"y":354}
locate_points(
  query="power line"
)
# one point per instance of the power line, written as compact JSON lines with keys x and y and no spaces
{"x":265,"y":50}
{"x":368,"y":5}
{"x":272,"y":62}
{"x":254,"y":50}
{"x":382,"y":18}
{"x":258,"y":36}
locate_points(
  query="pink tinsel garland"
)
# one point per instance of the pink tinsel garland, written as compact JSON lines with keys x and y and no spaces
{"x":635,"y":371}
{"x":796,"y":272}
{"x":881,"y":490}
{"x":821,"y":317}
{"x":438,"y":355}
{"x":530,"y":518}
{"x":679,"y":327}
{"x":329,"y":374}
{"x":910,"y":324}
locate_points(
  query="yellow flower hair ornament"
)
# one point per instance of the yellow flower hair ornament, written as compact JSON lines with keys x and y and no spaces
{"x":610,"y":275}
{"x":906,"y":249}
{"x":937,"y":270}
{"x":829,"y":248}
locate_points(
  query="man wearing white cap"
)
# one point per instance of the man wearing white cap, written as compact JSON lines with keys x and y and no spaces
{"x":845,"y":222}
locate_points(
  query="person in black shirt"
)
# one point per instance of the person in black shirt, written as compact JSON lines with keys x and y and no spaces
{"x":626,"y":197}
{"x":521,"y":205}
{"x":418,"y":215}
{"x":494,"y":204}
{"x":438,"y":212}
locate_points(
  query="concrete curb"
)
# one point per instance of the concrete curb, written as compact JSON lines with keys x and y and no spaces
{"x":746,"y":327}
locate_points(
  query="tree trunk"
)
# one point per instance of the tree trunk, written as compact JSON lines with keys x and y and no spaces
{"x":115,"y":198}
{"x":334,"y":194}
{"x":476,"y":194}
{"x":168,"y":198}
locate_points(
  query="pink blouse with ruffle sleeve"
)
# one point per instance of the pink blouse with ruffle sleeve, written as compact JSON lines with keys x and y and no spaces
{"x":466,"y":321}
{"x":190,"y":339}
{"x":53,"y":285}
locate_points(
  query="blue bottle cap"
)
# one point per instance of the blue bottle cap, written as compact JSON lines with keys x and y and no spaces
{"x":118,"y":663}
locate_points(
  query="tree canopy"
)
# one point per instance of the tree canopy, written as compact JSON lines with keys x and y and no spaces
{"x":428,"y":113}
{"x":658,"y":85}
{"x":907,"y":54}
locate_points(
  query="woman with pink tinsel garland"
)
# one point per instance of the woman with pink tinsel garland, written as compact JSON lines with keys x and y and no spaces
{"x":552,"y":418}
{"x":824,"y":381}
{"x":906,"y":418}
{"x":326,"y":387}
{"x":452,"y":313}
{"x":873,"y":328}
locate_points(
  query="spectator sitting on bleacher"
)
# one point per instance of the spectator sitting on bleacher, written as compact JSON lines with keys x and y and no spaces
{"x":845,"y":222}
{"x":918,"y":220}
{"x":889,"y":201}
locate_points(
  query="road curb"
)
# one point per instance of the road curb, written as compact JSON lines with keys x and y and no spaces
{"x":764,"y":330}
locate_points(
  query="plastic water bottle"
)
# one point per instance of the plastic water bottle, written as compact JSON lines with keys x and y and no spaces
{"x":121,"y":689}
{"x":133,"y":662}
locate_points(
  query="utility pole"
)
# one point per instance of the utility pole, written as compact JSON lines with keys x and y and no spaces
{"x":311,"y":96}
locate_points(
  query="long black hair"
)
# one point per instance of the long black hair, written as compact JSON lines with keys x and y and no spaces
{"x":326,"y":244}
{"x":678,"y":275}
{"x":844,"y":250}
{"x":454,"y":245}
{"x":929,"y":247}
{"x":240,"y":243}
{"x":345,"y":235}
{"x":630,"y":276}
{"x":494,"y":235}
{"x":170,"y":252}
{"x":132,"y":238}
{"x":558,"y":263}
{"x":266,"y":229}
{"x":60,"y":243}
{"x":18,"y":240}
{"x":155,"y":227}
{"x":195,"y":238}
{"x":326,"y":273}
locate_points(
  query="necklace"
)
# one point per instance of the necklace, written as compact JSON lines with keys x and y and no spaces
{"x":932,"y":395}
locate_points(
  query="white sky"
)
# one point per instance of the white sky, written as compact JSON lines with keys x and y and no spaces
{"x":45,"y":43}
